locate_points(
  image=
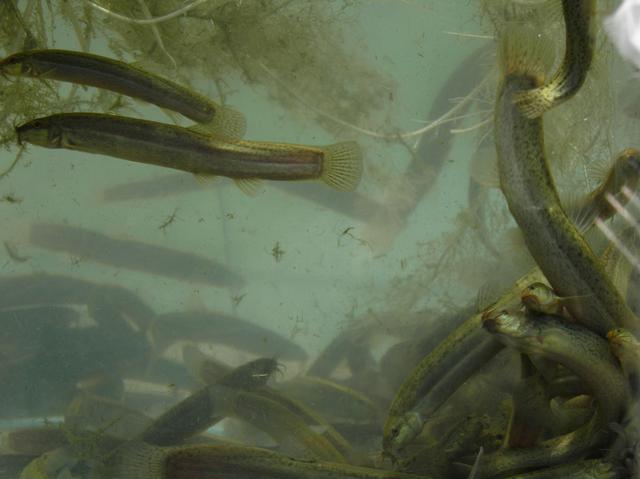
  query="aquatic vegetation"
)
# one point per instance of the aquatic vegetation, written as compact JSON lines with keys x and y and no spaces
{"x":220,"y":40}
{"x":470,"y":311}
{"x":122,"y":78}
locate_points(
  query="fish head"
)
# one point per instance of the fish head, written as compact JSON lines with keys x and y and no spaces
{"x":619,"y":339}
{"x":536,"y":296}
{"x":40,"y":132}
{"x":14,"y":65}
{"x":263,"y":368}
{"x":531,"y":301}
{"x":505,"y":322}
{"x":404,"y":430}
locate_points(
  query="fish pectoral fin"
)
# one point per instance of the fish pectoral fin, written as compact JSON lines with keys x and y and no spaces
{"x":249,"y":186}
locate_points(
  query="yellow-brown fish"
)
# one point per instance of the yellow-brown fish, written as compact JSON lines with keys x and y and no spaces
{"x":169,"y":146}
{"x":109,"y":74}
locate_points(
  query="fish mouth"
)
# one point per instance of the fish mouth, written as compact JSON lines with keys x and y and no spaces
{"x":614,"y":337}
{"x":530,"y":300}
{"x":8,"y":69}
{"x":488,"y":314}
{"x":505,"y":323}
{"x":490,"y":324}
{"x":40,"y":133}
{"x":490,"y":320}
{"x":28,"y":134}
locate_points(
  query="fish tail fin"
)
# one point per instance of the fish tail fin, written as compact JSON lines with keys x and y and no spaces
{"x":524,"y":51}
{"x":533,"y":103}
{"x":137,"y":459}
{"x":342,"y":166}
{"x":226,"y":122}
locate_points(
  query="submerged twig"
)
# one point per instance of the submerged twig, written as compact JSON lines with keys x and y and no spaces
{"x":473,"y":127}
{"x":148,"y":21}
{"x":385,"y":136}
{"x":469,"y":35}
{"x":15,"y":162}
{"x":156,"y":33}
{"x":476,"y":464}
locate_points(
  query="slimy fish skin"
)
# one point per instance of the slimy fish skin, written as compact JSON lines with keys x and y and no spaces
{"x":579,"y":20}
{"x":225,"y":461}
{"x":149,"y":142}
{"x":585,"y":354}
{"x":540,"y":298}
{"x":564,"y":256}
{"x":109,"y":74}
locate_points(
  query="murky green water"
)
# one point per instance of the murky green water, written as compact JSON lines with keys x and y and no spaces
{"x":117,"y":276}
